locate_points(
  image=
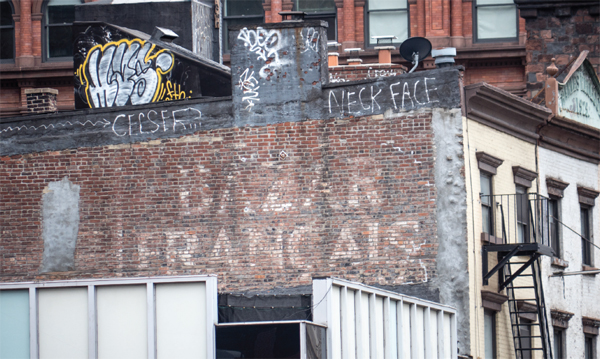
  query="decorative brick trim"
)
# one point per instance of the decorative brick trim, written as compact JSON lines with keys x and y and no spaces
{"x":487,"y":162}
{"x":556,"y":187}
{"x":493,"y":300}
{"x":560,"y":318}
{"x":590,"y":325}
{"x":587,"y":196}
{"x":523,"y":176}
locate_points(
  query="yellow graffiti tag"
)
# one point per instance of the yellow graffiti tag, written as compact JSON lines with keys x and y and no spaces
{"x":171,"y":91}
{"x":115,"y":73}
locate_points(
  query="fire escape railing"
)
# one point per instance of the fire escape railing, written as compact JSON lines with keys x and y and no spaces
{"x":519,"y":233}
{"x":520,"y":218}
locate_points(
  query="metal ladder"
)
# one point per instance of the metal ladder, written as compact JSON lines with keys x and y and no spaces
{"x":528,"y":337}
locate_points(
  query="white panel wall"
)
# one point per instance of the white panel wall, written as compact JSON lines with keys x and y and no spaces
{"x":122,"y":322}
{"x":63,"y":324}
{"x":157,"y":317}
{"x":180,"y":318}
{"x":367,"y":322}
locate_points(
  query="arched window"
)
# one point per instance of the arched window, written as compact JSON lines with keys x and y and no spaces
{"x":7,"y":32}
{"x":58,"y":34}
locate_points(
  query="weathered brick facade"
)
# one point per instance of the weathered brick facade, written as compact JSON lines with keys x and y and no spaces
{"x":276,"y":205}
{"x":561,"y":32}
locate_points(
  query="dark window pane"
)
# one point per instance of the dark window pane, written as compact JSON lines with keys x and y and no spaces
{"x":265,"y":341}
{"x":315,"y":5}
{"x":61,"y":14}
{"x":554,"y":231}
{"x":558,"y":344}
{"x":60,"y":41}
{"x":585,"y":233}
{"x":243,"y":7}
{"x":7,"y":43}
{"x":589,"y":347}
{"x":331,"y":30}
{"x":230,"y":22}
{"x":5,"y":13}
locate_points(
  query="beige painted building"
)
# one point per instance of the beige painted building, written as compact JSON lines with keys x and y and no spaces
{"x":532,"y":183}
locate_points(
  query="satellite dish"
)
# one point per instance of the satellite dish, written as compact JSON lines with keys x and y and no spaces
{"x":414,"y":50}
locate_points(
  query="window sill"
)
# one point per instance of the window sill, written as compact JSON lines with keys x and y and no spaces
{"x":560,"y":263}
{"x":487,"y":238}
{"x":589,"y":268}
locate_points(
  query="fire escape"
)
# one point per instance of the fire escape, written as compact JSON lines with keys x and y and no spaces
{"x":521,"y":226}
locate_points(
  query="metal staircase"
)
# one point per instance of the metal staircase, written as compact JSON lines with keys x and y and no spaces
{"x":526,"y":299}
{"x":519,"y":271}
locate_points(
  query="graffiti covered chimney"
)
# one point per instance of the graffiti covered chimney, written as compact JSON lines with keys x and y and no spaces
{"x":276,"y":68}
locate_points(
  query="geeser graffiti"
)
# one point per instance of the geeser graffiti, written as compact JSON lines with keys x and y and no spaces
{"x":124,"y":72}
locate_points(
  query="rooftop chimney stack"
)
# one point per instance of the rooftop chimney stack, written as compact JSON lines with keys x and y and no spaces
{"x":444,"y":57}
{"x":333,"y":56}
{"x":277,"y":63}
{"x":41,"y":100}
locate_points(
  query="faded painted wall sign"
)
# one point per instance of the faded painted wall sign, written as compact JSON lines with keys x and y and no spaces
{"x":580,"y":97}
{"x":125,"y":71}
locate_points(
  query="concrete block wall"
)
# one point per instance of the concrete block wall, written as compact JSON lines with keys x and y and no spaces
{"x":257,"y":206}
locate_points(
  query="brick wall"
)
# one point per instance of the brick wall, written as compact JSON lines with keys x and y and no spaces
{"x":41,"y":100}
{"x":361,"y":72}
{"x":560,"y":34}
{"x":258,"y":206}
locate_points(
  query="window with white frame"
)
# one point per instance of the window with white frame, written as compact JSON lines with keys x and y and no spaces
{"x":7,"y":32}
{"x":58,"y":28}
{"x":495,"y":20}
{"x":385,"y":18}
{"x":159,"y":317}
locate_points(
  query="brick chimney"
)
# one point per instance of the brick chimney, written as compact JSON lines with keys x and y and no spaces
{"x":42,"y":100}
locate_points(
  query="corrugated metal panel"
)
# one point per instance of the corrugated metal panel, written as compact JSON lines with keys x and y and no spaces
{"x":367,"y":322}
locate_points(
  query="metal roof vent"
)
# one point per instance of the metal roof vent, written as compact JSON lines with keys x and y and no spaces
{"x":164,"y":35}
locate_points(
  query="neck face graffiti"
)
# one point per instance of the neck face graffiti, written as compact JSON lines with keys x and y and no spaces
{"x":124,"y":72}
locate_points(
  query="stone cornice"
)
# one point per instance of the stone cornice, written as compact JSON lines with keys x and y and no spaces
{"x":523,"y":176}
{"x":560,"y":318}
{"x":504,"y":111}
{"x":528,"y":308}
{"x":493,"y":300}
{"x":555,"y":187}
{"x":590,"y":325}
{"x":487,"y":162}
{"x":587,"y":195}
